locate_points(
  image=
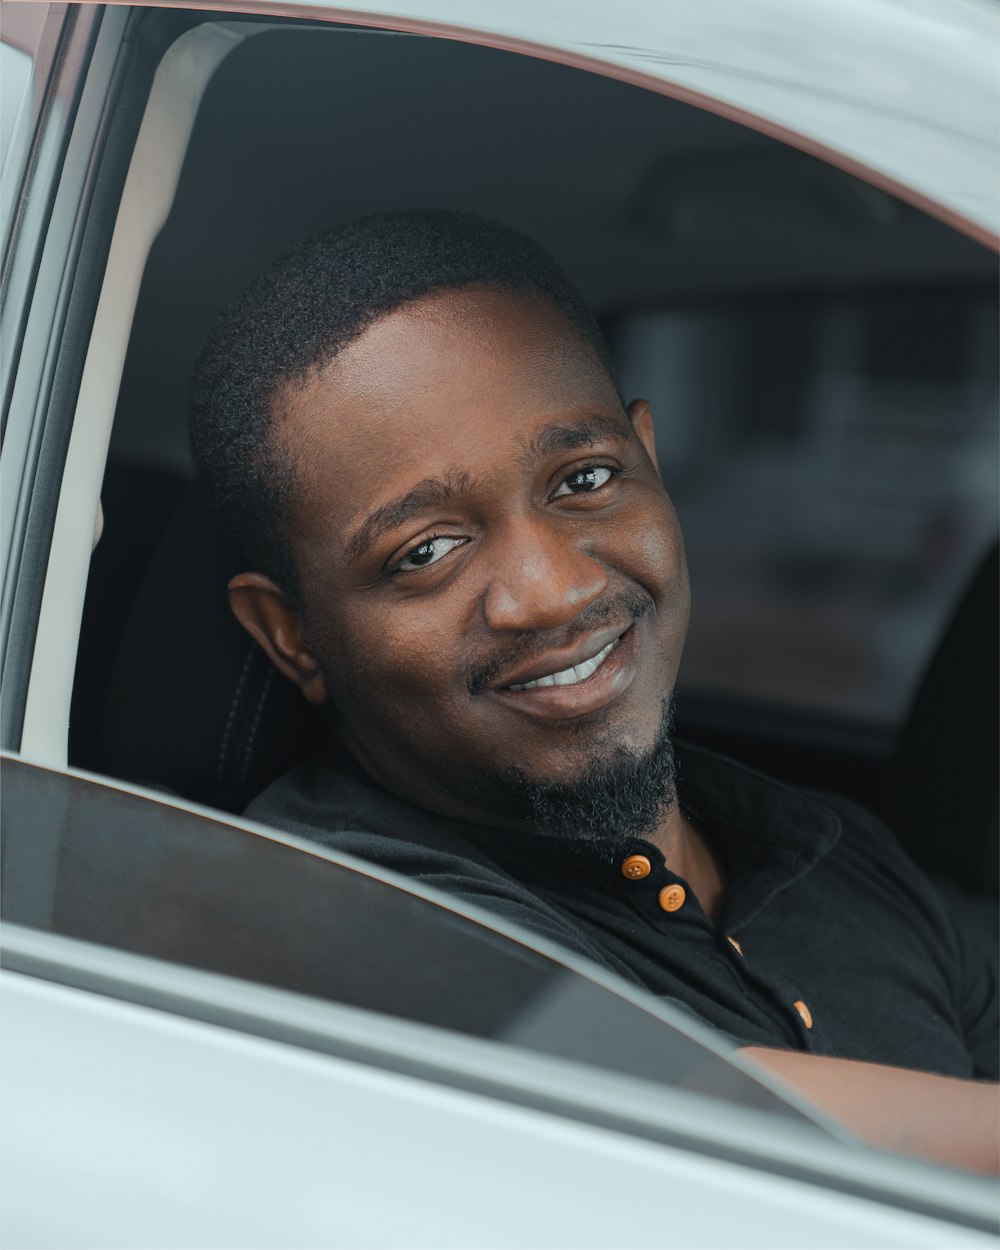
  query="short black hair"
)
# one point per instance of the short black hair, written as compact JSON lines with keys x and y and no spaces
{"x":295,"y":317}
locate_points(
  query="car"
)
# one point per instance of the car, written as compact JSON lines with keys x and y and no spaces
{"x":786,"y":218}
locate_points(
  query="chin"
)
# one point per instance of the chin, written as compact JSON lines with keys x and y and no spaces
{"x":600,"y":800}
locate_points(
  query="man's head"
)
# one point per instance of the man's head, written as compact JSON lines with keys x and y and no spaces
{"x":456,"y":534}
{"x":300,"y":312}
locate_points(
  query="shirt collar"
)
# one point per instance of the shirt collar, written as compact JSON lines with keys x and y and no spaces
{"x":768,"y":834}
{"x":730,"y":797}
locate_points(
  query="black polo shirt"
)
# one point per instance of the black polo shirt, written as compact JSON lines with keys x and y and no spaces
{"x":830,"y":940}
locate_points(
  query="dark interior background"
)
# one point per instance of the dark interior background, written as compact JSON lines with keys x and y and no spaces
{"x":821,"y":357}
{"x":646,"y":202}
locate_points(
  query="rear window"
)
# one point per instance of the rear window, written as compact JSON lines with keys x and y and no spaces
{"x":834,"y":462}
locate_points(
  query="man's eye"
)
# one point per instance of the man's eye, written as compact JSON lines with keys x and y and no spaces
{"x":428,"y":552}
{"x":584,"y":480}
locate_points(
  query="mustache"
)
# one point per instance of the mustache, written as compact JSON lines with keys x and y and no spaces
{"x":624,"y":605}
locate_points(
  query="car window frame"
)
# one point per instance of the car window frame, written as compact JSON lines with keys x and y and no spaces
{"x":53,"y":270}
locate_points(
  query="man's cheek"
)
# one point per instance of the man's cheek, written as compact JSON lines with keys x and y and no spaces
{"x":645,"y":546}
{"x":657,"y":538}
{"x":390,"y":668}
{"x":657,"y":561}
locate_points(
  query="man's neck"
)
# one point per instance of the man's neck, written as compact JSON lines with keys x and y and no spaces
{"x":688,"y":853}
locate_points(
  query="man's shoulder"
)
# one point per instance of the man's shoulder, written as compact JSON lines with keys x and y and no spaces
{"x":813,"y":820}
{"x":343,"y":810}
{"x":349,"y":814}
{"x":840,"y":843}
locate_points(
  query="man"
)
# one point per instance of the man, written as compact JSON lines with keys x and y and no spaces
{"x":459,"y":544}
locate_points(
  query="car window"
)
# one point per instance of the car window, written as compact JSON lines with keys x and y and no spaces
{"x":597,"y":170}
{"x":759,"y":278}
{"x":682,"y":226}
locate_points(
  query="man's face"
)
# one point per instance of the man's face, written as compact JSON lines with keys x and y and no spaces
{"x":492,"y":574}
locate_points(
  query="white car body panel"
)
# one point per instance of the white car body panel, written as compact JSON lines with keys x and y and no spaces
{"x":129,"y":1127}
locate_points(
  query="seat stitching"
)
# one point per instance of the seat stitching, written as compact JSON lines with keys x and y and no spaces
{"x":255,"y":725}
{"x":227,"y":731}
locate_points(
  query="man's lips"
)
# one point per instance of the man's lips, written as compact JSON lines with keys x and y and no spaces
{"x":571,"y":693}
{"x":573,"y":675}
{"x":563,"y":659}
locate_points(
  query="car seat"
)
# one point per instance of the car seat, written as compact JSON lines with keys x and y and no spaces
{"x":194,"y":706}
{"x":941,"y":788}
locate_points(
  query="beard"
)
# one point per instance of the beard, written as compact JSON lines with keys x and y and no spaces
{"x":617,"y":798}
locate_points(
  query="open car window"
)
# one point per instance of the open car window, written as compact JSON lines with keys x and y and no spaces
{"x":829,"y":439}
{"x":676,"y":221}
{"x":834,"y":460}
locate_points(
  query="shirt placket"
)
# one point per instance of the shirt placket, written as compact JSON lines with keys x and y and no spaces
{"x":665,"y":897}
{"x":784,"y":993}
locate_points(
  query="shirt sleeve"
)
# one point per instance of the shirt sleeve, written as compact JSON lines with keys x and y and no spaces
{"x":974,"y":921}
{"x":959,"y":933}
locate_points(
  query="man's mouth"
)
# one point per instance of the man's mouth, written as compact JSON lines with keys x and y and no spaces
{"x":572,"y":675}
{"x":557,"y":664}
{"x":565,"y":687}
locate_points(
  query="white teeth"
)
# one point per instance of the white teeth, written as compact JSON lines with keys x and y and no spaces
{"x":570,"y":676}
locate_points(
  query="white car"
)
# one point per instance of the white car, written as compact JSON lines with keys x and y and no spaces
{"x":785,"y":215}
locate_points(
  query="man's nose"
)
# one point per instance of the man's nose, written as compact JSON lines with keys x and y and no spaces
{"x":542,"y":580}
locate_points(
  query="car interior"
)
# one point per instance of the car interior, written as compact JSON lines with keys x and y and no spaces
{"x":821,"y":359}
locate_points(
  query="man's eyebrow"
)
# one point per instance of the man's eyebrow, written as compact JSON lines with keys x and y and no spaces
{"x":567,"y":436}
{"x":429,"y":493}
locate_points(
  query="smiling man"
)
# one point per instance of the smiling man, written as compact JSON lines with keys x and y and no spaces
{"x":458,"y":542}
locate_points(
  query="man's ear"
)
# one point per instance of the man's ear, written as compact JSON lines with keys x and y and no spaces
{"x":641,"y":416}
{"x":263,"y":610}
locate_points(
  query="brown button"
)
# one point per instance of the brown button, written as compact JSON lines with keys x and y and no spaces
{"x":636,"y":867}
{"x":735,"y":945}
{"x":672,"y":897}
{"x":804,"y":1012}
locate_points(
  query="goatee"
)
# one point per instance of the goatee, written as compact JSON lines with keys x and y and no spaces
{"x":618,"y":797}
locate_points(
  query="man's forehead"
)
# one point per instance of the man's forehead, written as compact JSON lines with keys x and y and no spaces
{"x":456,"y":365}
{"x":452,"y":339}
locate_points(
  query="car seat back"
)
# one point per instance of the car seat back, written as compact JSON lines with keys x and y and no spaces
{"x":194,"y":705}
{"x":942,"y":795}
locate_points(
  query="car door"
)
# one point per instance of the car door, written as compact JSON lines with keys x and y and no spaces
{"x":98,"y":867}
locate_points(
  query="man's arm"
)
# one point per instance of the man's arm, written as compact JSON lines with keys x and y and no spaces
{"x":940,"y":1118}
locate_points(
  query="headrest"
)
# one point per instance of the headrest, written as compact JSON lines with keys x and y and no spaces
{"x":194,"y":705}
